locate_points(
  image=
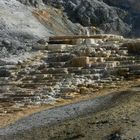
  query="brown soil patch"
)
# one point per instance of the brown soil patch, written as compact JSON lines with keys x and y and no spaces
{"x":6,"y":119}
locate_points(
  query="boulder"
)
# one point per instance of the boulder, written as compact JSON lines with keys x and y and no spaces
{"x":82,"y":61}
{"x":84,"y":90}
{"x":123,"y":72}
{"x":6,"y":43}
{"x":133,"y":47}
{"x":112,"y":64}
{"x":55,"y":71}
{"x":4,"y":73}
{"x":42,"y":41}
{"x":89,"y":50}
{"x":40,"y":47}
{"x":2,"y":63}
{"x":57,"y":47}
{"x":91,"y":42}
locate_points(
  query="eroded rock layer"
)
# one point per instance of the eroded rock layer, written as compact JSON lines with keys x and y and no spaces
{"x":62,"y":71}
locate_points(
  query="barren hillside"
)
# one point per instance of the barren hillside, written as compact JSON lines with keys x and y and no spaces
{"x":69,"y":69}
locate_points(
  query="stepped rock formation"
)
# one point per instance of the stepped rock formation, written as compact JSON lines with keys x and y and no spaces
{"x":64,"y":71}
{"x":48,"y":59}
{"x":59,"y":73}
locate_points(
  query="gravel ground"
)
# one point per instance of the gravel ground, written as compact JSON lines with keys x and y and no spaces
{"x":105,"y":117}
{"x":52,"y":116}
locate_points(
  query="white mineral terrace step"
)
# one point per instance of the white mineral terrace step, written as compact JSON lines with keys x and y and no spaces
{"x":54,"y":72}
{"x":135,"y":72}
{"x":19,"y":95}
{"x":98,"y":36}
{"x":51,"y":54}
{"x":59,"y":58}
{"x":47,"y":81}
{"x":131,"y":66}
{"x":56,"y":64}
{"x":24,"y":84}
{"x":128,"y":62}
{"x":9,"y":67}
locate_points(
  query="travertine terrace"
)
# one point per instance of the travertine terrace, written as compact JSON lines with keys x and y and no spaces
{"x":67,"y":67}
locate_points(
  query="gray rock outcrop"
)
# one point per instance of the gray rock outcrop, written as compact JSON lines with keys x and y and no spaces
{"x":18,"y":28}
{"x":34,"y":3}
{"x":117,"y":16}
{"x":24,"y":22}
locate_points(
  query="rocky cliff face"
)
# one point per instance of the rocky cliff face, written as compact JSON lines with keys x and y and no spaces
{"x":132,"y":7}
{"x":117,"y":16}
{"x":23,"y":21}
{"x":35,"y":3}
{"x":18,"y":28}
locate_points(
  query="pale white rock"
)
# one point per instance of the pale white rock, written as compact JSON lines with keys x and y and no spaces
{"x":57,"y":47}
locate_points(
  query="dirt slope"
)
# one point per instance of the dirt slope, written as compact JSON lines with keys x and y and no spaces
{"x":110,"y":117}
{"x":21,"y":26}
